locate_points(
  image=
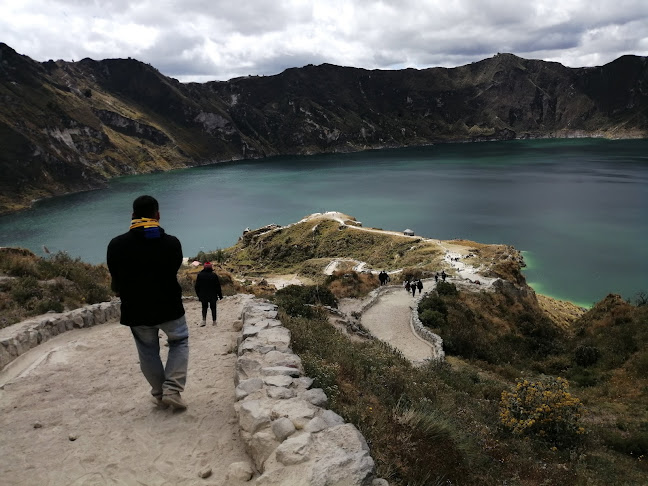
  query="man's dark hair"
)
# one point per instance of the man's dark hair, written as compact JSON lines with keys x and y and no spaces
{"x":145,"y":207}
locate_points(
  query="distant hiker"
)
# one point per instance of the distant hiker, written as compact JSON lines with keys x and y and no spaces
{"x":413,"y":287}
{"x":143,"y":264}
{"x":443,"y":275}
{"x":382,"y":276}
{"x":419,"y":285}
{"x":208,"y":290}
{"x":436,"y":277}
{"x":407,"y":286}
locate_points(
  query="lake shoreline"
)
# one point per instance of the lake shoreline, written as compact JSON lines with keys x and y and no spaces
{"x":564,"y":135}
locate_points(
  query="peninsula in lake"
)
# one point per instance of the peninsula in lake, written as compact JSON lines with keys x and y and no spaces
{"x":71,"y":126}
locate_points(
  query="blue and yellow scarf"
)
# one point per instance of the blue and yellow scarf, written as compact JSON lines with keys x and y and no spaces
{"x":151,"y":226}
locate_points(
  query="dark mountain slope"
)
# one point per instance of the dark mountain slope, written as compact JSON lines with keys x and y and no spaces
{"x":70,"y":126}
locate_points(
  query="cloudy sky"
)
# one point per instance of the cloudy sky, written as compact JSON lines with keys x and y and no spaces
{"x":202,"y":40}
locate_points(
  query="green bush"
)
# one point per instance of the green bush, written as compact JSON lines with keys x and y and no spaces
{"x":431,"y":318}
{"x":43,"y":306}
{"x":584,"y":377}
{"x":447,"y":288}
{"x":635,"y":444}
{"x":324,"y":374}
{"x":296,"y":300}
{"x":586,"y":355}
{"x":434,"y":303}
{"x":25,"y":289}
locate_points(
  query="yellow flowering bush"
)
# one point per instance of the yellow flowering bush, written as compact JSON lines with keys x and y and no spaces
{"x":543,"y":409}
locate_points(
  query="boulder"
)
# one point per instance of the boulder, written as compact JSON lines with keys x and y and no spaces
{"x":244,"y":388}
{"x":253,"y":414}
{"x":282,"y":428}
{"x":240,"y":471}
{"x":280,"y":392}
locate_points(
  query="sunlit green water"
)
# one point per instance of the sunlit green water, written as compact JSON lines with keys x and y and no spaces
{"x":578,"y":208}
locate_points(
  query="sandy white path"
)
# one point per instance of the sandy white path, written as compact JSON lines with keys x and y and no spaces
{"x":389,"y":320}
{"x":87,"y":384}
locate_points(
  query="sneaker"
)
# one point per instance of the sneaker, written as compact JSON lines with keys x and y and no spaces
{"x":213,"y":323}
{"x":174,"y":400}
{"x":203,"y":323}
{"x":160,"y":404}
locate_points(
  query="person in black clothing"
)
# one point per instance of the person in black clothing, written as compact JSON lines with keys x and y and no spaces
{"x":208,"y":290}
{"x":419,"y":286}
{"x":143,"y":264}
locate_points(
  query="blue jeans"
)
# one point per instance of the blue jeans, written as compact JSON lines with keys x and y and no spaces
{"x":172,"y":378}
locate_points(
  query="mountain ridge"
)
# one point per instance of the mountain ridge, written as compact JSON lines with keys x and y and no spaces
{"x":71,"y":126}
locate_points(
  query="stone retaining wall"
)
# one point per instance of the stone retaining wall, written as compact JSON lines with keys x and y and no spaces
{"x":20,"y":338}
{"x":434,"y":339}
{"x":288,"y":433}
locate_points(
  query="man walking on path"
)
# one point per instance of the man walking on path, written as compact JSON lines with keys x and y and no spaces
{"x":208,"y":290}
{"x":143,"y":264}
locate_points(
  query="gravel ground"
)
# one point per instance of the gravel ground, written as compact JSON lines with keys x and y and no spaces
{"x":77,"y":410}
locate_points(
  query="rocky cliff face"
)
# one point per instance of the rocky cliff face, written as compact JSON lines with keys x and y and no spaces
{"x":70,"y":126}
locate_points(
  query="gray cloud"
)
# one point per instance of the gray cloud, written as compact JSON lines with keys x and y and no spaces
{"x":219,"y":39}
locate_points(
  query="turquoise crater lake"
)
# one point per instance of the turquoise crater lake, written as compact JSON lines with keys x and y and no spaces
{"x":576,"y":208}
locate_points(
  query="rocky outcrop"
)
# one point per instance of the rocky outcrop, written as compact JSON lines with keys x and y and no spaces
{"x":131,"y":127}
{"x":289,"y":434}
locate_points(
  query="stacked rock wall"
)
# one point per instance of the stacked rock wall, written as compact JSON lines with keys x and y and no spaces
{"x":20,"y":338}
{"x":289,"y":434}
{"x":438,"y":354}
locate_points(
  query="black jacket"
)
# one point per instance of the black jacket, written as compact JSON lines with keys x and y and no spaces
{"x":144,"y":274}
{"x":208,"y":287}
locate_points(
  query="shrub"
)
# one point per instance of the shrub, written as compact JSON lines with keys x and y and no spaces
{"x":641,"y":299}
{"x":351,"y":284}
{"x":544,"y":410}
{"x":24,"y":289}
{"x":47,"y":305}
{"x":586,"y":355}
{"x":297,"y":299}
{"x":635,"y":444}
{"x":584,"y":377}
{"x":324,"y":374}
{"x":639,"y":364}
{"x":432,"y":318}
{"x":434,"y":303}
{"x":447,"y":288}
{"x":18,"y":265}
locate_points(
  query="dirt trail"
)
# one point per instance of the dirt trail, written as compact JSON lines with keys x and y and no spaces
{"x":86,"y":385}
{"x":389,"y":320}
